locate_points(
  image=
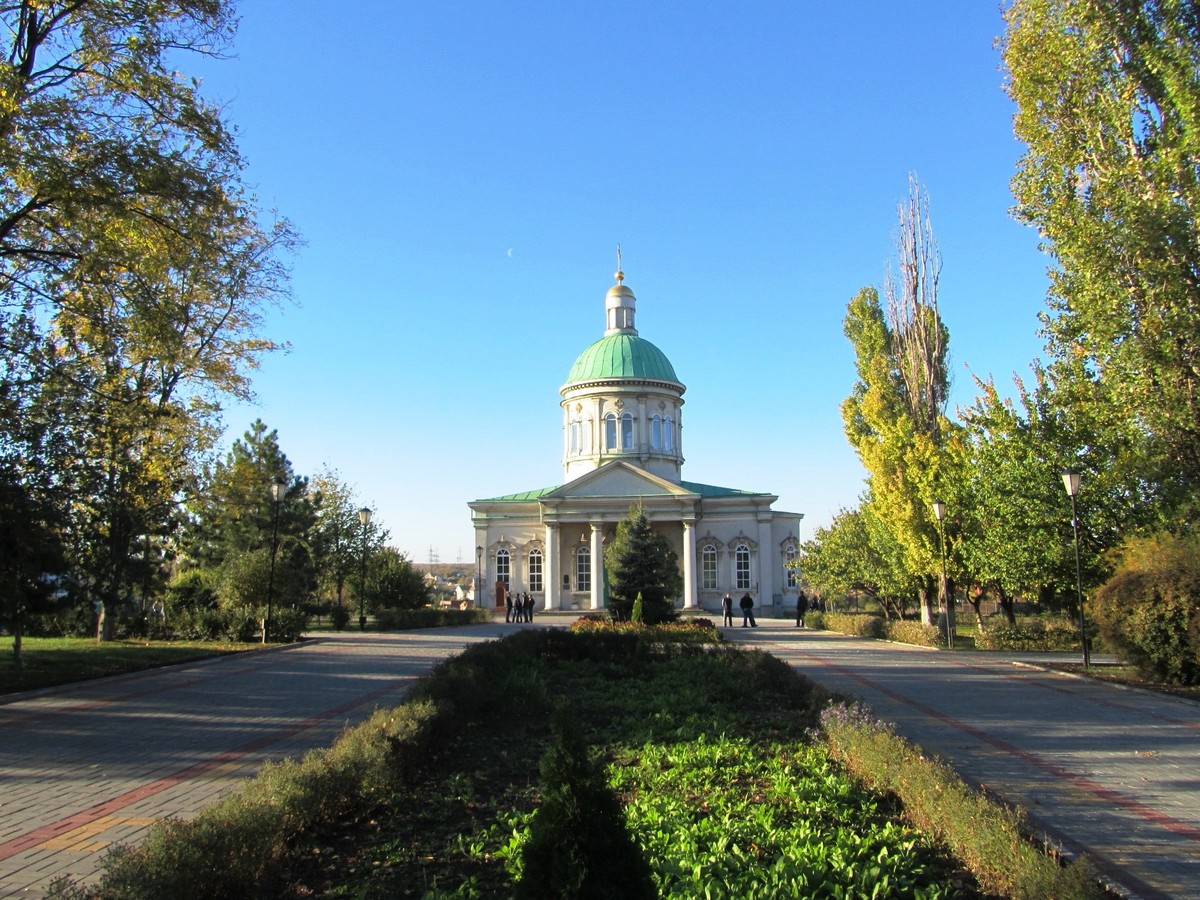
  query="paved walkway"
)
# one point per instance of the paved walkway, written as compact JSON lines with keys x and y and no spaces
{"x":1110,"y":771}
{"x":88,"y":765}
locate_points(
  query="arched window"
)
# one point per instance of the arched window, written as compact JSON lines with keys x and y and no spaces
{"x":627,"y":431}
{"x":656,"y":432}
{"x":791,"y":567}
{"x":708,"y":568}
{"x":535,"y":570}
{"x":741,"y":567}
{"x":574,"y":432}
{"x":669,"y":433}
{"x":503,"y":566}
{"x":583,"y":569}
{"x":610,"y":432}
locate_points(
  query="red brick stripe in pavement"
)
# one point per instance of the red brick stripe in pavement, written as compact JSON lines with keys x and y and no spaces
{"x":1184,"y":829}
{"x":48,"y":832}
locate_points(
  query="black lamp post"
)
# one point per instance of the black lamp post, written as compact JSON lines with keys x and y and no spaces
{"x":939,"y":513}
{"x":479,"y":576}
{"x":1071,"y":479}
{"x":364,"y":517}
{"x":278,"y":489}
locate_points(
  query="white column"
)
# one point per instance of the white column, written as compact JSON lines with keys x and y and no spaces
{"x":550,"y":573}
{"x":690,"y":600}
{"x":597,"y":568}
{"x":766,"y":564}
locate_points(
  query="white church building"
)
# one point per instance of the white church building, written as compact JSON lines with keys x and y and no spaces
{"x":623,"y":445}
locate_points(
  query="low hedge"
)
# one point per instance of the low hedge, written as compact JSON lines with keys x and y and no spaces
{"x":1035,"y":634}
{"x":869,"y":625}
{"x":991,"y":838}
{"x":429,"y":617}
{"x":858,"y":624}
{"x":911,"y":631}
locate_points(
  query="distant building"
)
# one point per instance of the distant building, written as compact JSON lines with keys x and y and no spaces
{"x":623,"y":444}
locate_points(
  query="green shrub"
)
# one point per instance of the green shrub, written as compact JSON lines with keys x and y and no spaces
{"x":857,"y":624}
{"x":1149,"y":611}
{"x":814,"y":618}
{"x":638,"y":615}
{"x":339,"y":615}
{"x":1035,"y":634}
{"x":191,"y":590}
{"x":287,"y":624}
{"x":579,"y":846}
{"x":429,"y":617}
{"x":992,"y":839}
{"x":911,"y":631}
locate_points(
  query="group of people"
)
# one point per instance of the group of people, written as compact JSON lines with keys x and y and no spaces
{"x":803,"y":605}
{"x":518,"y":607}
{"x":747,"y":607}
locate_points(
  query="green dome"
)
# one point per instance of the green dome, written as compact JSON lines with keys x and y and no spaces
{"x":622,"y":356}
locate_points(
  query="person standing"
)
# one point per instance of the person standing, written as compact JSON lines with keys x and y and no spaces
{"x":747,"y":605}
{"x":508,"y":606}
{"x":801,"y":609}
{"x":529,"y":604}
{"x":727,"y":608}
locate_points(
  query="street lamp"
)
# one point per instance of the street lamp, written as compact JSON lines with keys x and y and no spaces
{"x":1071,"y":479}
{"x":479,"y":577}
{"x":364,"y":518}
{"x":278,"y":489}
{"x":939,"y":513}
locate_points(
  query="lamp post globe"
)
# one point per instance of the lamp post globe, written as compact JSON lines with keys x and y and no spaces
{"x":278,"y":491}
{"x":939,"y":513}
{"x":1071,"y":480}
{"x":364,"y":518}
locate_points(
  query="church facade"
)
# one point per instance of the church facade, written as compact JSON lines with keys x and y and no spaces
{"x":622,"y":446}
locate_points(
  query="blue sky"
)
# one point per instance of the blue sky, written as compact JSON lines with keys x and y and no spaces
{"x":461,"y":173}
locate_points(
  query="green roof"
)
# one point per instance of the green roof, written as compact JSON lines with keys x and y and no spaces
{"x":711,"y":490}
{"x":522,"y":497}
{"x":622,"y":356}
{"x":704,"y":490}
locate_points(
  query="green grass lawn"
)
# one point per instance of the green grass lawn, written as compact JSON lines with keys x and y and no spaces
{"x":51,"y":661}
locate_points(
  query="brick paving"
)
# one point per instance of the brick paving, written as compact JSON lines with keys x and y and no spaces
{"x":89,"y":765}
{"x":1109,"y":771}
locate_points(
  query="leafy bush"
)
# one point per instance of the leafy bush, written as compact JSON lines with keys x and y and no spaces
{"x":191,"y":590}
{"x":911,"y":631}
{"x":857,"y":624}
{"x":990,"y":838}
{"x":287,"y":624}
{"x":814,"y":618}
{"x":339,"y":615}
{"x":1150,"y":609}
{"x":428,"y":617}
{"x":1034,"y":634}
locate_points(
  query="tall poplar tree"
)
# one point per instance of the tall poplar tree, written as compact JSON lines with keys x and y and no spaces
{"x":895,"y":416}
{"x":1108,"y":105}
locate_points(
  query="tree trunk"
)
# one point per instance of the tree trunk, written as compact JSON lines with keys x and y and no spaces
{"x":1006,"y":604}
{"x":928,"y":597}
{"x":18,"y":632}
{"x":975,"y":598}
